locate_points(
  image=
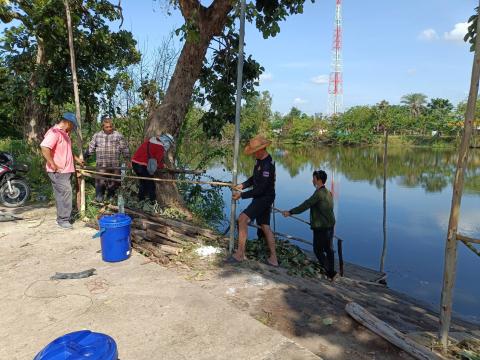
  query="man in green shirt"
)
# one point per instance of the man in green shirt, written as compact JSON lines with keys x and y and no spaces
{"x":322,"y":221}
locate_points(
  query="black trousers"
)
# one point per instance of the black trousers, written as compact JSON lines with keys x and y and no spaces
{"x":146,"y":187}
{"x":103,"y":184}
{"x":323,"y":248}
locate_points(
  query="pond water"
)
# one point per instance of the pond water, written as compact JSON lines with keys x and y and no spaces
{"x":418,"y":196}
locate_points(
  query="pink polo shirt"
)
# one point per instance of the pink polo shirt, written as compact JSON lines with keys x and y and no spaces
{"x":59,"y":142}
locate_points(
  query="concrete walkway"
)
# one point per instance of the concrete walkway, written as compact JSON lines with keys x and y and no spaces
{"x":149,"y":310}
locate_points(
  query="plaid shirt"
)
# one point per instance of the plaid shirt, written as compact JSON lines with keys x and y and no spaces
{"x":108,"y":148}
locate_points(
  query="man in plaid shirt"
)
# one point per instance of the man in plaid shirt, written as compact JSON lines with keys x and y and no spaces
{"x":108,"y":145}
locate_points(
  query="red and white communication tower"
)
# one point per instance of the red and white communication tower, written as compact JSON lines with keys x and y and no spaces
{"x":335,"y":86}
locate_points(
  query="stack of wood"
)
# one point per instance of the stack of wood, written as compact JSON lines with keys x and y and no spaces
{"x":161,"y":238}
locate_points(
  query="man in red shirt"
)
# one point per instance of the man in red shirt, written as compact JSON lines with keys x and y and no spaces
{"x":57,"y":150}
{"x":154,"y":148}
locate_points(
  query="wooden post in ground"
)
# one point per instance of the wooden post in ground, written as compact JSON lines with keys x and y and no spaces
{"x":451,"y":245}
{"x":385,"y":162}
{"x":80,"y":179}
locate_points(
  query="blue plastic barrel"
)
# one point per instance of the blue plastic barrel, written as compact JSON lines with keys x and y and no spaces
{"x":115,"y":237}
{"x":80,"y":345}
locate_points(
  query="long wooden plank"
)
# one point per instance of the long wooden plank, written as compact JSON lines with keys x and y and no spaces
{"x":155,"y":235}
{"x":389,"y":333}
{"x":179,"y":225}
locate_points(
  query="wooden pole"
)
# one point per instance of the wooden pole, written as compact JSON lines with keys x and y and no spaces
{"x":200,"y":182}
{"x":80,"y":180}
{"x":238,"y":108}
{"x":385,"y":161}
{"x":451,"y":243}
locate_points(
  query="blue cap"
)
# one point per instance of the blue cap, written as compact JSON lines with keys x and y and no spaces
{"x":69,"y":116}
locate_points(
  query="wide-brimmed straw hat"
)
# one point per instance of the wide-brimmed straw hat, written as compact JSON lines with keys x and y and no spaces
{"x":257,"y":143}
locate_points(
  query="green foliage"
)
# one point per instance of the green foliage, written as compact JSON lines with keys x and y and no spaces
{"x":35,"y":46}
{"x":471,"y":34}
{"x":256,"y":115}
{"x":218,"y":81}
{"x":36,"y":176}
{"x":290,"y":257}
{"x":206,"y":202}
{"x":415,"y":102}
{"x":356,"y":125}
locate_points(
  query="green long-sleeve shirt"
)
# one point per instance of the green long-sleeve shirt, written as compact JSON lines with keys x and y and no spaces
{"x":321,"y":209}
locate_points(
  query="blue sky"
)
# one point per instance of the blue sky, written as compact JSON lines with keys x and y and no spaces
{"x":390,"y":49}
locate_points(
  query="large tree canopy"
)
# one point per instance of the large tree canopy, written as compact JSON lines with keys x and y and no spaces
{"x":213,"y":27}
{"x":35,"y":49}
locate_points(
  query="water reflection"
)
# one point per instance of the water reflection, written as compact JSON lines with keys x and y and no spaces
{"x":419,"y":194}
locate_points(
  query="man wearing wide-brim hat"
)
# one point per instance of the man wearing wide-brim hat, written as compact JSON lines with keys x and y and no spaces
{"x":263,"y":194}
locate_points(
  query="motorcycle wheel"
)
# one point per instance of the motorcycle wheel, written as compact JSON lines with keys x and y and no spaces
{"x":18,"y":196}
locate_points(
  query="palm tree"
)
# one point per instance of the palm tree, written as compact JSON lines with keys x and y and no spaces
{"x":415,"y":102}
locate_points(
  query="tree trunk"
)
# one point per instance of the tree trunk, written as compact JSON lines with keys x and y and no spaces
{"x":170,"y":114}
{"x":35,"y":114}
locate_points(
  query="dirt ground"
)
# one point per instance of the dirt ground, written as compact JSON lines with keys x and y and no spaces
{"x":150,"y":311}
{"x":312,"y":311}
{"x":309,"y":312}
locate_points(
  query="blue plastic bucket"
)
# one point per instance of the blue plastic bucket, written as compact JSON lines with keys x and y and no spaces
{"x":115,"y":237}
{"x":80,"y":345}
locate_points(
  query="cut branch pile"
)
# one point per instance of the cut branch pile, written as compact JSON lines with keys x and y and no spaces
{"x":161,"y":238}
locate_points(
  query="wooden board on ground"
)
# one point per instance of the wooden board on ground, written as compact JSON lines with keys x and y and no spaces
{"x":389,"y":333}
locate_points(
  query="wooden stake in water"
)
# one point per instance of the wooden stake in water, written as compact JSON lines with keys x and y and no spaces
{"x":238,"y":107}
{"x":451,"y":244}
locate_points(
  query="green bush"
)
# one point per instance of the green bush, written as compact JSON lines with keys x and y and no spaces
{"x":36,"y":175}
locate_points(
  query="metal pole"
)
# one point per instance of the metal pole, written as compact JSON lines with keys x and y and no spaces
{"x":451,"y":244}
{"x":238,"y":107}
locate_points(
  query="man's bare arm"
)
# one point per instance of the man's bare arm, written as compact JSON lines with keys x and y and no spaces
{"x":47,"y":154}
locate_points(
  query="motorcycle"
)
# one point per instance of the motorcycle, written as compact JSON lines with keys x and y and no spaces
{"x":14,"y":190}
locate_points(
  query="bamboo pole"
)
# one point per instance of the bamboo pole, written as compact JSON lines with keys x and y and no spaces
{"x":286,"y":236}
{"x":161,"y":171}
{"x":102,"y":174}
{"x":301,"y":220}
{"x":80,"y":180}
{"x":467,"y":239}
{"x":451,"y":243}
{"x":238,"y":108}
{"x":471,"y":247}
{"x":385,"y":162}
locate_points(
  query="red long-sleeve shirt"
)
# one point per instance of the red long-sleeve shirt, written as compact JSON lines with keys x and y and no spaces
{"x":156,"y":152}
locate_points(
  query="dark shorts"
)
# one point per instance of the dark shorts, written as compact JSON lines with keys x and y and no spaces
{"x":260,"y":210}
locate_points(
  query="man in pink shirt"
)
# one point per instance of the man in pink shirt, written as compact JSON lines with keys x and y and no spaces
{"x":57,"y":150}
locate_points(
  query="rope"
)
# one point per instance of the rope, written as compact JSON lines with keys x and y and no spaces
{"x":213,"y":183}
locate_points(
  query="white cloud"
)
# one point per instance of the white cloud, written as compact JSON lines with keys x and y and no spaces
{"x":457,"y":33}
{"x":412,"y":71}
{"x":299,"y":101}
{"x":428,"y":35}
{"x":266,"y":77}
{"x":320,"y":79}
